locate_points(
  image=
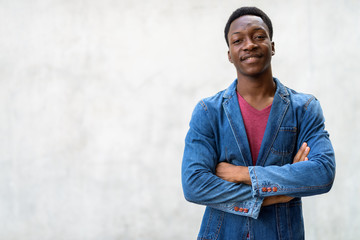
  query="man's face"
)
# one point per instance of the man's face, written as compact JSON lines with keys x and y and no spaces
{"x":250,"y":47}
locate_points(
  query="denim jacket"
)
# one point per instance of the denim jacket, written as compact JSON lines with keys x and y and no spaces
{"x":217,"y":134}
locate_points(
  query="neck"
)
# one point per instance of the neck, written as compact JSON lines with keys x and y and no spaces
{"x":258,"y":92}
{"x":255,"y":87}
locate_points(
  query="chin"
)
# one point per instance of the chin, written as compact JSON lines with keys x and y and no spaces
{"x":255,"y":73}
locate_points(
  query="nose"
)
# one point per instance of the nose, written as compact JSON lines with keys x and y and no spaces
{"x":249,"y":45}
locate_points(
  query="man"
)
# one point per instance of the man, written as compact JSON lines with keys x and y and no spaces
{"x":247,"y":153}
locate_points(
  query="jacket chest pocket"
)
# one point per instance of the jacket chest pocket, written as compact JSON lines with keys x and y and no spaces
{"x":284,"y":143}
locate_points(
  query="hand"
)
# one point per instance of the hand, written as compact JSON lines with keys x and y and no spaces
{"x":276,"y":199}
{"x":302,"y":154}
{"x":233,"y":173}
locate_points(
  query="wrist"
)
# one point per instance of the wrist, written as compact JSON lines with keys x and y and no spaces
{"x":244,"y":176}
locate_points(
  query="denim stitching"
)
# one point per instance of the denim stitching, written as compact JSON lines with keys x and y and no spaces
{"x":219,"y":225}
{"x":312,"y":187}
{"x":288,"y":220}
{"x":278,"y":221}
{"x":220,"y":221}
{"x":285,"y":153}
{"x":257,"y":183}
{"x":234,"y":132}
{"x":208,"y":222}
{"x":203,"y":105}
{"x":248,"y":230}
{"x":308,"y":102}
{"x":281,"y":153}
{"x":275,"y":135}
{"x":253,"y":208}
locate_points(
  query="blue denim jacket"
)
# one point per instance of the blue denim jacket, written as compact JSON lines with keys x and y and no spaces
{"x":217,"y":134}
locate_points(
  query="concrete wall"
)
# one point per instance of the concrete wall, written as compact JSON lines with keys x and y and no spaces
{"x":95,"y":99}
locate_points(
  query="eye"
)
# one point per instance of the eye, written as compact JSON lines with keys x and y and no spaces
{"x":260,"y":37}
{"x":237,"y":41}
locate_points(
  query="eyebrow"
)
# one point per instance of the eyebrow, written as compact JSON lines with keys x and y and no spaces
{"x":256,"y":29}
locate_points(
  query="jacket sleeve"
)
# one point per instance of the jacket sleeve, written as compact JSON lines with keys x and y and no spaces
{"x":200,"y":184}
{"x":307,"y":178}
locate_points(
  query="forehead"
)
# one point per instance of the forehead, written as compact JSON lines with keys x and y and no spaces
{"x":247,"y":22}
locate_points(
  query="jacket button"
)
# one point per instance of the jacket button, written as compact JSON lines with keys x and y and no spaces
{"x":274,"y":189}
{"x":269,"y":189}
{"x":241,"y":209}
{"x":264,"y":189}
{"x":246,"y":210}
{"x":236,"y":209}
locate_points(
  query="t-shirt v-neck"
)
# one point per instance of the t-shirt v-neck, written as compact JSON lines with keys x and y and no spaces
{"x":255,"y":124}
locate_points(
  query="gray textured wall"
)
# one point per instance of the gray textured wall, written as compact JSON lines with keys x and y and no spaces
{"x":95,"y":99}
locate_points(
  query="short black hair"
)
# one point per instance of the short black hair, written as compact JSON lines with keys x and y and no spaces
{"x":248,"y":11}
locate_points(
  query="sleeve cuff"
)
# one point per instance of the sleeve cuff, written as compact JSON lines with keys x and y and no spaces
{"x":254,"y":182}
{"x":247,"y":208}
{"x":263,"y":189}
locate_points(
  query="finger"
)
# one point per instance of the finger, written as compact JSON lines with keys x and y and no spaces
{"x":300,"y":153}
{"x":307,"y":151}
{"x":305,"y":154}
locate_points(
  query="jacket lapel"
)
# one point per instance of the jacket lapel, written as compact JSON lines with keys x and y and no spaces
{"x":233,"y":114}
{"x":279,"y":107}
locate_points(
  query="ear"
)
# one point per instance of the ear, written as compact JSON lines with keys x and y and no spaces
{"x":229,"y":57}
{"x":272,"y":48}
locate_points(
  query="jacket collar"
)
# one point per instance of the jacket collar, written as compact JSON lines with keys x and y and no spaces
{"x":279,"y":107}
{"x":280,"y":89}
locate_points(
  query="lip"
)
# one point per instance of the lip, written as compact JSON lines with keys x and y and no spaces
{"x":250,"y":57}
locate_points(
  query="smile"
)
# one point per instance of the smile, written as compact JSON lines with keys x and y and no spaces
{"x":250,"y":57}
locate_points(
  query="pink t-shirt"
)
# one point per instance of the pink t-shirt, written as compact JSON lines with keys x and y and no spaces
{"x":255,"y":123}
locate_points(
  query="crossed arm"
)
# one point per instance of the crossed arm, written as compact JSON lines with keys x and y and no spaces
{"x":240,"y":174}
{"x":217,"y":185}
